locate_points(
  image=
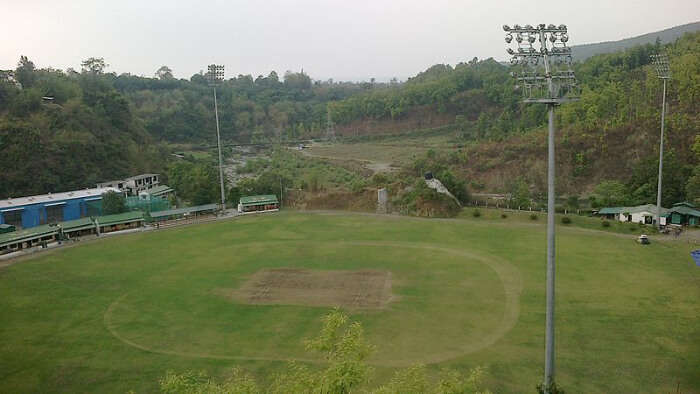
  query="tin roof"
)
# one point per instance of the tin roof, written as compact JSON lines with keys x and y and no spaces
{"x":27,"y":234}
{"x":55,"y":197}
{"x":258,"y":200}
{"x":181,"y":211}
{"x":651,"y":208}
{"x":119,"y":218}
{"x":610,"y":210}
{"x":157,"y":190}
{"x":685,"y":210}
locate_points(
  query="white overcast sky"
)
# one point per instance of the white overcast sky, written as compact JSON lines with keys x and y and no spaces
{"x":344,"y":40}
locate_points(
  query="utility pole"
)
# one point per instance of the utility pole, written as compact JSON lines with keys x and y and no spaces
{"x":215,"y":76}
{"x":551,"y":82}
{"x":660,"y":61}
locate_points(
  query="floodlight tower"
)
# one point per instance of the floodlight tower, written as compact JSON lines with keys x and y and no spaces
{"x":660,"y":61}
{"x":215,"y":75}
{"x":330,"y":127}
{"x":545,"y":76}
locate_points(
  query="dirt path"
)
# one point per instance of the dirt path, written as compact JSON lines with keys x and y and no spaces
{"x":506,"y":272}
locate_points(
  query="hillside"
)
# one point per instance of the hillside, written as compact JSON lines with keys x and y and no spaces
{"x":498,"y":143}
{"x":101,"y":125}
{"x":84,"y":133}
{"x":666,"y":36}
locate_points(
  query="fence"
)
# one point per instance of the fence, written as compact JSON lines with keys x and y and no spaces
{"x":154,"y":204}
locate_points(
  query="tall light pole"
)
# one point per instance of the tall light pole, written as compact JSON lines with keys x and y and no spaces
{"x":545,"y":76}
{"x":215,"y":76}
{"x":660,"y":61}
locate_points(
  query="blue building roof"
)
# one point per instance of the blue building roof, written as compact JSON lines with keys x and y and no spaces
{"x":49,"y":208}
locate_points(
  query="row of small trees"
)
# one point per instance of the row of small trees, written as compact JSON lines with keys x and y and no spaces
{"x":345,"y":351}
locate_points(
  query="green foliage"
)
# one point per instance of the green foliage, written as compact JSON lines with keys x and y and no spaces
{"x":195,"y":181}
{"x":504,"y":216}
{"x":345,"y":350}
{"x":605,"y":223}
{"x":113,"y":202}
{"x":409,"y":380}
{"x":476,"y":213}
{"x":520,"y":194}
{"x":572,"y":202}
{"x":87,"y":134}
{"x":420,"y":200}
{"x":440,"y":166}
{"x":610,"y":194}
{"x":552,"y":389}
{"x":189,"y":382}
{"x":533,"y":216}
{"x":566,"y":220}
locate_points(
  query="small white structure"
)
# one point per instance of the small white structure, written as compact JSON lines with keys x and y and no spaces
{"x":134,"y":185}
{"x":434,"y":183}
{"x":382,"y":200}
{"x":645,"y":214}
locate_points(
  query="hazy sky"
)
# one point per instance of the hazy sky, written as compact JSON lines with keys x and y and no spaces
{"x":349,"y":39}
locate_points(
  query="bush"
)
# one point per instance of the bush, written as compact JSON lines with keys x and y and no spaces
{"x":632,"y":228}
{"x":533,"y":216}
{"x":476,"y":213}
{"x":503,"y":216}
{"x":566,"y":220}
{"x":605,"y":223}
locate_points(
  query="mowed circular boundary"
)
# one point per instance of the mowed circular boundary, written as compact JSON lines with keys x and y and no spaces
{"x":508,"y":275}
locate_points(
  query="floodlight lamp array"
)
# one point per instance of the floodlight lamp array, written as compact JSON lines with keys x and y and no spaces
{"x":215,"y":73}
{"x":544,"y":61}
{"x":660,"y":61}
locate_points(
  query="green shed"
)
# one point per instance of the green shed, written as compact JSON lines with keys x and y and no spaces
{"x":265,"y":202}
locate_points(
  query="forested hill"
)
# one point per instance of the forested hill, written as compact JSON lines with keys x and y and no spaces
{"x":66,"y":130}
{"x":610,"y":134}
{"x":666,"y":36}
{"x":62,"y":130}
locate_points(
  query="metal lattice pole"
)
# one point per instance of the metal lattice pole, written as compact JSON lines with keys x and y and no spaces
{"x":216,"y":75}
{"x":330,"y":127}
{"x":664,"y":73}
{"x":551,"y":83}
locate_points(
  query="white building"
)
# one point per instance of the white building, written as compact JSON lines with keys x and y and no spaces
{"x":645,"y":214}
{"x":135,"y":184}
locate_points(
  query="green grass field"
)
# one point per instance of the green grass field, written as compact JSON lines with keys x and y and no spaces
{"x":114,"y":315}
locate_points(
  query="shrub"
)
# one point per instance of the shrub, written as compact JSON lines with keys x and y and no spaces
{"x":605,"y":223}
{"x":533,"y":216}
{"x":476,"y":213}
{"x":632,"y":228}
{"x":566,"y":220}
{"x":503,"y":216}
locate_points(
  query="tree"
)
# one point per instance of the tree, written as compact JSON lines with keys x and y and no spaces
{"x":25,"y":72}
{"x":692,"y":187}
{"x":611,"y":193}
{"x":94,"y":65}
{"x":164,"y":72}
{"x":113,"y":202}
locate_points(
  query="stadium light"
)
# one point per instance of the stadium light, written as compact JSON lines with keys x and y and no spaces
{"x":215,"y":75}
{"x":663,"y":71}
{"x":551,"y":83}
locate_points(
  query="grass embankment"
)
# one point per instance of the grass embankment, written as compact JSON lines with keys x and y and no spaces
{"x":114,"y":315}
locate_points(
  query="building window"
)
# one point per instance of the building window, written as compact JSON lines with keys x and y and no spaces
{"x":54,"y":214}
{"x":13,"y":218}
